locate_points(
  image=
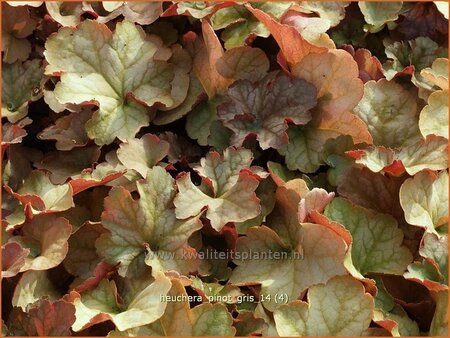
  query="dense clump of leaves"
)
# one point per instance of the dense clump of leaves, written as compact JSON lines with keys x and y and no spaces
{"x":224,"y":168}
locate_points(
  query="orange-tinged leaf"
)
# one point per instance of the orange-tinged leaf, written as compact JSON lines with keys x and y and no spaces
{"x":45,"y":236}
{"x":347,"y":124}
{"x":339,"y":89}
{"x":45,"y":319}
{"x":102,"y":270}
{"x":206,"y":50}
{"x":425,"y":273}
{"x":318,"y":218}
{"x":376,"y":158}
{"x":215,"y":52}
{"x":313,"y":29}
{"x":434,"y":248}
{"x":321,"y":257}
{"x":243,"y":63}
{"x":437,"y":74}
{"x":89,"y":179}
{"x":145,"y":231}
{"x":293,"y":46}
{"x":229,"y":195}
{"x":39,"y":195}
{"x":335,"y":75}
{"x":315,"y":200}
{"x":369,"y":66}
{"x":429,"y":153}
{"x":307,"y":253}
{"x":32,"y":286}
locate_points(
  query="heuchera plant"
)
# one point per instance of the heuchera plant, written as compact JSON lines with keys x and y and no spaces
{"x":224,"y":168}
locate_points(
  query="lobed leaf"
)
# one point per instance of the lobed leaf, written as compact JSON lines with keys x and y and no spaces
{"x":231,"y":195}
{"x":20,"y":85}
{"x":251,"y":106}
{"x":340,"y":307}
{"x":180,"y":320}
{"x":100,"y":304}
{"x":16,"y":26}
{"x":146,"y":231}
{"x":142,"y":154}
{"x":45,"y":319}
{"x":390,"y":113}
{"x":68,"y":131}
{"x":122,"y":72}
{"x":377,"y":241}
{"x":45,"y":238}
{"x":434,"y":116}
{"x":424,"y":200}
{"x":39,"y":195}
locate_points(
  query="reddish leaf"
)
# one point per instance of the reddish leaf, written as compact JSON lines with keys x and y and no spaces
{"x":423,"y":20}
{"x":369,"y":66}
{"x":251,"y":106}
{"x":68,"y":131}
{"x":13,"y":259}
{"x":102,"y":270}
{"x":45,"y":319}
{"x":380,"y":191}
{"x":12,"y":133}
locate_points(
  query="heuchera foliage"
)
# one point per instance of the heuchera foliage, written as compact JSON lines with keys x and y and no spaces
{"x":224,"y":168}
